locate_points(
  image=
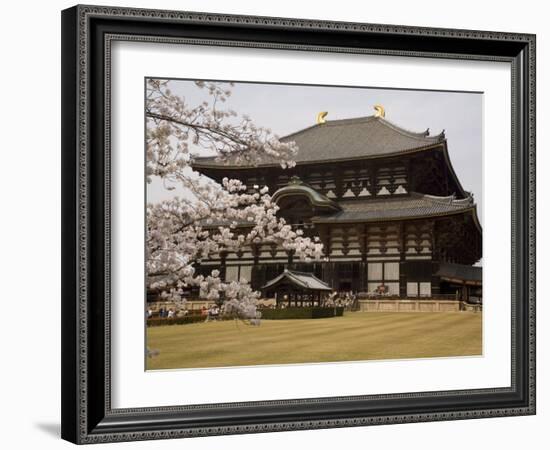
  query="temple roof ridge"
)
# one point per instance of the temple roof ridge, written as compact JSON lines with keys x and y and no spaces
{"x":365,"y":119}
{"x":346,"y":139}
{"x":422,"y":134}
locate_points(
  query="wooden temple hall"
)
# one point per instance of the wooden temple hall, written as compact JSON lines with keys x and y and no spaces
{"x":385,"y":201}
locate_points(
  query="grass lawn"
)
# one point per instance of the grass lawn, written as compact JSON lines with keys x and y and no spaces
{"x":353,"y":337}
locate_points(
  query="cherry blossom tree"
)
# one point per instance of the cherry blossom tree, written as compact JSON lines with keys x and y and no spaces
{"x":213,"y":219}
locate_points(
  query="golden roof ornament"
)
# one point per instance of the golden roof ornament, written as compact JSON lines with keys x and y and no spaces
{"x":321,"y":117}
{"x":380,"y":111}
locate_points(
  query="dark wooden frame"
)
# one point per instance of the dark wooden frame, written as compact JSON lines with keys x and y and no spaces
{"x":87,"y":32}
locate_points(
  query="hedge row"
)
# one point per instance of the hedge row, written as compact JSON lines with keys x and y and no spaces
{"x":315,"y":312}
{"x":158,"y":321}
{"x":312,"y":312}
{"x":190,"y":312}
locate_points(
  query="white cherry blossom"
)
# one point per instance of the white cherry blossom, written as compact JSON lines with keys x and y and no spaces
{"x":215,"y":219}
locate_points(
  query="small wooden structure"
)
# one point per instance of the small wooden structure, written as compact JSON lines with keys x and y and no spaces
{"x":293,"y":288}
{"x":464,"y":281}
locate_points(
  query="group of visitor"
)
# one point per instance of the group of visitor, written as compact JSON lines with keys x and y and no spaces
{"x":334,"y":299}
{"x":381,"y":290}
{"x":341,"y":299}
{"x":212,"y":313}
{"x":167,"y":313}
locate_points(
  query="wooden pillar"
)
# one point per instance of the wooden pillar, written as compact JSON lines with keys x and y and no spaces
{"x":338,"y":182}
{"x":435,"y":281}
{"x":325,"y":236}
{"x":373,"y":181}
{"x":290,"y":254}
{"x":345,"y":239}
{"x":223,"y":258}
{"x":361,"y":231}
{"x":402,"y":261}
{"x":256,"y":251}
{"x":255,"y":275}
{"x":330,"y":273}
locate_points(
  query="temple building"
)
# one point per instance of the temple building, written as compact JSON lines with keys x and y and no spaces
{"x":385,"y":202}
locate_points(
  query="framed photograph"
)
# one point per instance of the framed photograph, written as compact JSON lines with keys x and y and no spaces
{"x":281,"y":224}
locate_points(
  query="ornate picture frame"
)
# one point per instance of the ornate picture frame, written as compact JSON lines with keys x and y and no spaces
{"x":88,"y":33}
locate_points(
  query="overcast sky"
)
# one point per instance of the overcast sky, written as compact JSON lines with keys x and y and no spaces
{"x":289,"y":108}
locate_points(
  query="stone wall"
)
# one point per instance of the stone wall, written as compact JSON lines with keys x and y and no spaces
{"x":431,"y":305}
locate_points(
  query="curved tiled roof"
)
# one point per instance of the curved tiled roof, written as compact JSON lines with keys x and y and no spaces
{"x":460,"y":272}
{"x":413,"y":205}
{"x":362,"y":137}
{"x":297,"y":187}
{"x":304,"y":280}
